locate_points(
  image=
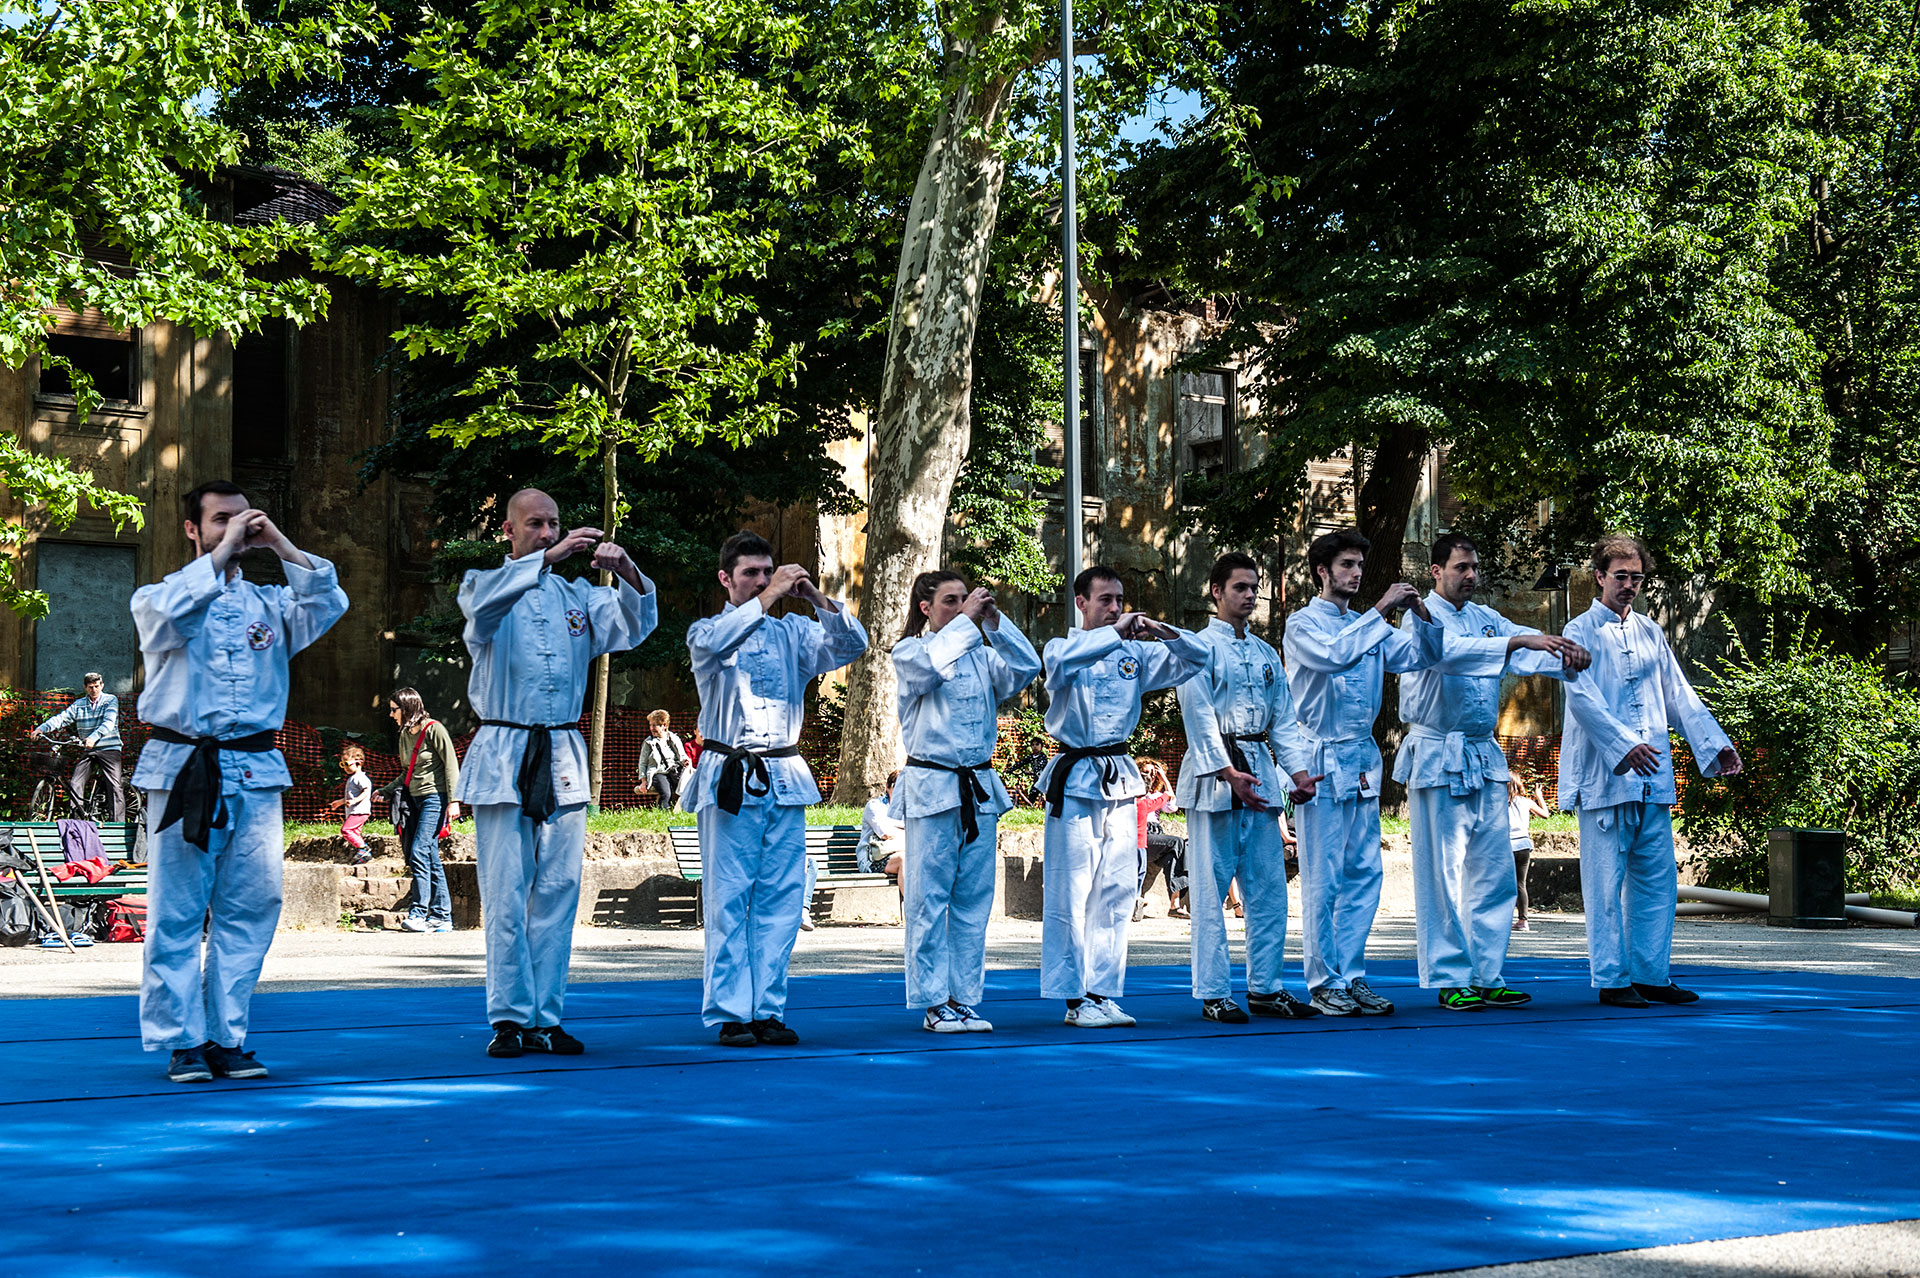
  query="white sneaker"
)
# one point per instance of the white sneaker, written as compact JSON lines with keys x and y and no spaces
{"x":943,"y":1020}
{"x":973,"y":1021}
{"x":414,"y":923}
{"x":1089,"y":1015}
{"x":1332,"y":1002}
{"x":1115,"y":1016}
{"x":1371,"y":1004}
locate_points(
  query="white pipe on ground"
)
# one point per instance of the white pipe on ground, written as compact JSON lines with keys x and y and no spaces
{"x":1888,"y":918}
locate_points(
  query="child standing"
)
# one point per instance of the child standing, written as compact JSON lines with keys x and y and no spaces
{"x":358,"y":803}
{"x":1521,"y":809}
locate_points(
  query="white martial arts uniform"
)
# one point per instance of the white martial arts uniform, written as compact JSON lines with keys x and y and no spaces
{"x":1243,"y":691}
{"x":1095,"y":680}
{"x":216,"y":652}
{"x":533,"y":636}
{"x":951,"y":685}
{"x":1456,"y":778}
{"x":753,"y":671}
{"x":1633,"y":694}
{"x":1337,"y":659}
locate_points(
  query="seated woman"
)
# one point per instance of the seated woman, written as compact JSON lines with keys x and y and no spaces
{"x":663,"y":760}
{"x":1160,"y":847}
{"x":882,"y":839}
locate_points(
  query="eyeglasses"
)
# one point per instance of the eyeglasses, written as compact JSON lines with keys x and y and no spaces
{"x":1628,"y":578}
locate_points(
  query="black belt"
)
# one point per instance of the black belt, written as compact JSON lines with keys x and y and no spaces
{"x":972,"y":792}
{"x":1238,"y":757}
{"x":195,"y":800}
{"x":534,"y":782}
{"x":1064,"y":763}
{"x":742,"y":768}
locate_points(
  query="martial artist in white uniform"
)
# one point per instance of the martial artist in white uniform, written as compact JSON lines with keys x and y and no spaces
{"x":1337,"y":659}
{"x":532,"y":636}
{"x":1239,"y":717}
{"x":751,"y":788}
{"x":1456,"y":777}
{"x":1095,"y":678}
{"x":952,"y":678}
{"x":1616,"y":771}
{"x":216,"y":649}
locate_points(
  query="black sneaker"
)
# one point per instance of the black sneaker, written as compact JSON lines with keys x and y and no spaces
{"x":773,"y":1033}
{"x":231,"y":1062}
{"x":1224,"y":1010}
{"x":551,"y":1038}
{"x":1462,"y":999}
{"x":507,"y":1041}
{"x":734,"y":1034}
{"x":1280,"y":1003}
{"x":189,"y":1065}
{"x":1501,"y":996}
{"x":1623,"y":996}
{"x":1668,"y":993}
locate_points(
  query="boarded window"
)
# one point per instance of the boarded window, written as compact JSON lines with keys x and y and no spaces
{"x":261,"y":400}
{"x":108,"y":357}
{"x":1207,"y":424}
{"x":89,"y":626}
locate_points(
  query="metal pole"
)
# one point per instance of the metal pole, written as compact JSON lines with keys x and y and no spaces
{"x":1070,"y":306}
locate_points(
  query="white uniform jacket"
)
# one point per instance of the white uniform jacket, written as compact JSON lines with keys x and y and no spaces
{"x":1337,"y":660}
{"x":752,"y":671}
{"x":1453,"y":706}
{"x":951,"y":685}
{"x":1243,"y":690}
{"x":1095,"y":680}
{"x":216,"y":650}
{"x":533,"y":636}
{"x":1632,"y":694}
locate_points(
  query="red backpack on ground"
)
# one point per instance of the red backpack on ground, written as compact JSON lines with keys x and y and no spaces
{"x":126,"y":919}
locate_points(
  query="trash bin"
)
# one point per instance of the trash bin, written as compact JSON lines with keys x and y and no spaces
{"x":1807,"y":878}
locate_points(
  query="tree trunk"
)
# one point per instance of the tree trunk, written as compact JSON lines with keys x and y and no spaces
{"x":924,"y":419}
{"x":1385,"y":501}
{"x":603,"y":665}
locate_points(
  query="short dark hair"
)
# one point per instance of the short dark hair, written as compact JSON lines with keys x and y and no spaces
{"x":212,"y":488}
{"x":1228,"y":564}
{"x":1445,"y":547}
{"x":1620,"y":546}
{"x":1328,"y":547}
{"x":925,"y":587}
{"x":740,"y":546}
{"x":1099,"y":572}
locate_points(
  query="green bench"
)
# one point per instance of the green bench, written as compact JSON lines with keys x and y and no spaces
{"x":40,"y":841}
{"x":834,"y":848}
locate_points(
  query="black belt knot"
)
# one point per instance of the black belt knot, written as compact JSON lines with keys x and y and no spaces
{"x":1067,"y":759}
{"x":742,"y":768}
{"x":195,"y":800}
{"x":972,"y":791}
{"x":534,"y":781}
{"x":1238,"y":757}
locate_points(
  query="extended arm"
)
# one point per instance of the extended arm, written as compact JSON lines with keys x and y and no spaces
{"x":924,"y":662}
{"x":1712,"y":749}
{"x":486,"y":597}
{"x":1173,"y":661}
{"x":1014,"y":661}
{"x":623,"y":615}
{"x":711,"y":640}
{"x":170,"y":612}
{"x":1074,"y":652}
{"x":836,"y":638}
{"x":313,"y":601}
{"x":1330,"y":651}
{"x":1422,"y":644}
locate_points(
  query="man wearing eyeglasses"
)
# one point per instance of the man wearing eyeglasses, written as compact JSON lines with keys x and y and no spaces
{"x":1616,"y":771}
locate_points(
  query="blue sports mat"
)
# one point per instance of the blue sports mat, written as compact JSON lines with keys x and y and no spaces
{"x":386,"y":1140}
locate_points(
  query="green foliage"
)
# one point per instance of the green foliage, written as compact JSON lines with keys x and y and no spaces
{"x":1829,"y":743}
{"x":106,"y":202}
{"x":558,"y":187}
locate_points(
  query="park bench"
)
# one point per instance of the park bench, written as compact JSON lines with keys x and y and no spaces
{"x":40,"y":841}
{"x":834,"y":848}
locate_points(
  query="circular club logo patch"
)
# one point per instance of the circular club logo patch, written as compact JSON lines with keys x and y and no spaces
{"x":576,"y":622}
{"x":1266,"y":672}
{"x":259,"y":635}
{"x":1129,"y":667}
{"x":1487,"y":630}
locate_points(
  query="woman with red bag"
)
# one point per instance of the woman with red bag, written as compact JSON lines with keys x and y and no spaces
{"x":423,"y":809}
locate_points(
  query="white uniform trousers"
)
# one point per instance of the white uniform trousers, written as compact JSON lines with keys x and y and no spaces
{"x":1628,"y":887}
{"x":529,"y":899}
{"x":948,"y":887}
{"x":187,"y":1000}
{"x":1091,"y":871}
{"x":752,"y":872}
{"x":1340,"y":878}
{"x":1463,"y":884}
{"x":1220,"y":847}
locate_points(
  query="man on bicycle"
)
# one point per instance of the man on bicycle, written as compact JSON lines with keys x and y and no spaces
{"x":95,"y":720}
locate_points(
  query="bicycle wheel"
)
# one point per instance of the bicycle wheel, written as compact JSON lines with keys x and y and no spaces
{"x":95,"y":806}
{"x":40,"y":806}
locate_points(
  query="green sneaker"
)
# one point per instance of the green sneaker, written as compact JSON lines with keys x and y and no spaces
{"x":1462,"y":1000}
{"x":1501,"y":996}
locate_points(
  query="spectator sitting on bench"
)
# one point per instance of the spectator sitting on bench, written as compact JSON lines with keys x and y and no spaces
{"x":882,"y":839}
{"x":663,"y":760}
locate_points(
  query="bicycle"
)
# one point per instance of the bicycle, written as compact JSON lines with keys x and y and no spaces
{"x":55,"y":780}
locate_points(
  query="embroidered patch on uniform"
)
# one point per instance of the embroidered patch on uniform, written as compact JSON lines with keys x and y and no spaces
{"x":1266,"y":672}
{"x":259,"y":635}
{"x":576,"y":622}
{"x":1129,"y":667}
{"x":1487,"y":630}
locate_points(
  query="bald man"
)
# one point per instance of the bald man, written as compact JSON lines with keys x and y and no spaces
{"x":532,"y":636}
